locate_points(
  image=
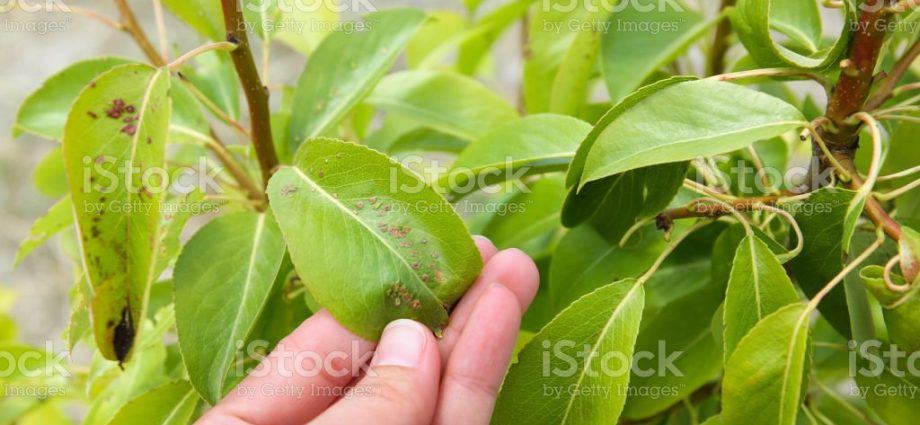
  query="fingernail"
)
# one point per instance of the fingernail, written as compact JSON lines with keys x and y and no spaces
{"x":402,"y":344}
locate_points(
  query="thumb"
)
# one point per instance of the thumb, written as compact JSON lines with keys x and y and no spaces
{"x":401,"y":386}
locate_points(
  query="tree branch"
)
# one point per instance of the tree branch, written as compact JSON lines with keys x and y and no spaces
{"x":130,"y":25}
{"x":256,"y":93}
{"x":886,"y":87}
{"x":665,"y":220}
{"x":856,"y":76}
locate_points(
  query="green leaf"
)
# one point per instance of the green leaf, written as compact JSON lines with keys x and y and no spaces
{"x":355,"y":220}
{"x":121,"y":122}
{"x":821,"y":218}
{"x":169,"y":404}
{"x":585,"y":260}
{"x":44,"y":112}
{"x":685,"y":121}
{"x":447,"y":102}
{"x":537,"y":143}
{"x":58,"y":217}
{"x":890,"y":396}
{"x":439,"y":31}
{"x":900,"y":309}
{"x":577,"y":168}
{"x":344,"y":69}
{"x":798,"y":20}
{"x":757,"y":287}
{"x":639,"y":42}
{"x":214,"y":76}
{"x":204,"y":16}
{"x":187,"y":124}
{"x":531,"y":217}
{"x":754,"y":20}
{"x":564,"y":39}
{"x":676,"y":327}
{"x":22,"y":362}
{"x":301,"y":25}
{"x":49,"y":176}
{"x":114,"y":387}
{"x":607,"y":321}
{"x":177,"y":212}
{"x":477,"y":42}
{"x":763,"y":377}
{"x":614,"y":204}
{"x":222,"y":281}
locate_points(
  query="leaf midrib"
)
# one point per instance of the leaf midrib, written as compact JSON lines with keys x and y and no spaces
{"x":581,"y":376}
{"x":247,"y":287}
{"x":616,"y":164}
{"x":370,"y":230}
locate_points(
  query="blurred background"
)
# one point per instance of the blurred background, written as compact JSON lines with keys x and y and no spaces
{"x":36,"y":45}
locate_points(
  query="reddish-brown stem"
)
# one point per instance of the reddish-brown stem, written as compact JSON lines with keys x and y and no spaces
{"x":873,"y":208}
{"x":886,"y":87}
{"x":256,"y":93}
{"x":130,"y":25}
{"x":712,"y":210}
{"x":856,"y":76}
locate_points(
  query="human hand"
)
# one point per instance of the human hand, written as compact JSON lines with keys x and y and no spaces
{"x":413,"y":377}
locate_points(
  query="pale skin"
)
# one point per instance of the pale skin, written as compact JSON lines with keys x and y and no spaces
{"x":412,"y":377}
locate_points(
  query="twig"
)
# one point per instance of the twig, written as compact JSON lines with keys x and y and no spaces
{"x":214,"y":109}
{"x":887,"y":86}
{"x":887,"y":196}
{"x":879,"y":240}
{"x":222,"y":45}
{"x":130,"y":25}
{"x":693,"y":210}
{"x":161,"y":29}
{"x":667,"y":251}
{"x":775,"y":72}
{"x":96,"y":16}
{"x":873,"y":208}
{"x":256,"y":93}
{"x":819,"y":141}
{"x":899,"y":174}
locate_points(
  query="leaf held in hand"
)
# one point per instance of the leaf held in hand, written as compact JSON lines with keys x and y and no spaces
{"x":371,"y":241}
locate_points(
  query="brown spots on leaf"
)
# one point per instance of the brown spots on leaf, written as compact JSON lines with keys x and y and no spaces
{"x":288,"y":190}
{"x":149,"y":140}
{"x":117,"y":109}
{"x":92,"y":114}
{"x":399,"y":294}
{"x":129,"y":129}
{"x":439,"y":277}
{"x":359,"y":205}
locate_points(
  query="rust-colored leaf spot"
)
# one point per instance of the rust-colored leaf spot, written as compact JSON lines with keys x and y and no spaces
{"x":129,"y":129}
{"x":118,"y":108}
{"x":92,"y":114}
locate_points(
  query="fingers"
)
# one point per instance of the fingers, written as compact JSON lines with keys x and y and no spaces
{"x":513,"y":269}
{"x":302,"y":376}
{"x":486,"y":248}
{"x":480,"y":357}
{"x":401,"y":386}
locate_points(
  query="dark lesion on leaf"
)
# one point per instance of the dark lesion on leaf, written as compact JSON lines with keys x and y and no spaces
{"x":123,"y":338}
